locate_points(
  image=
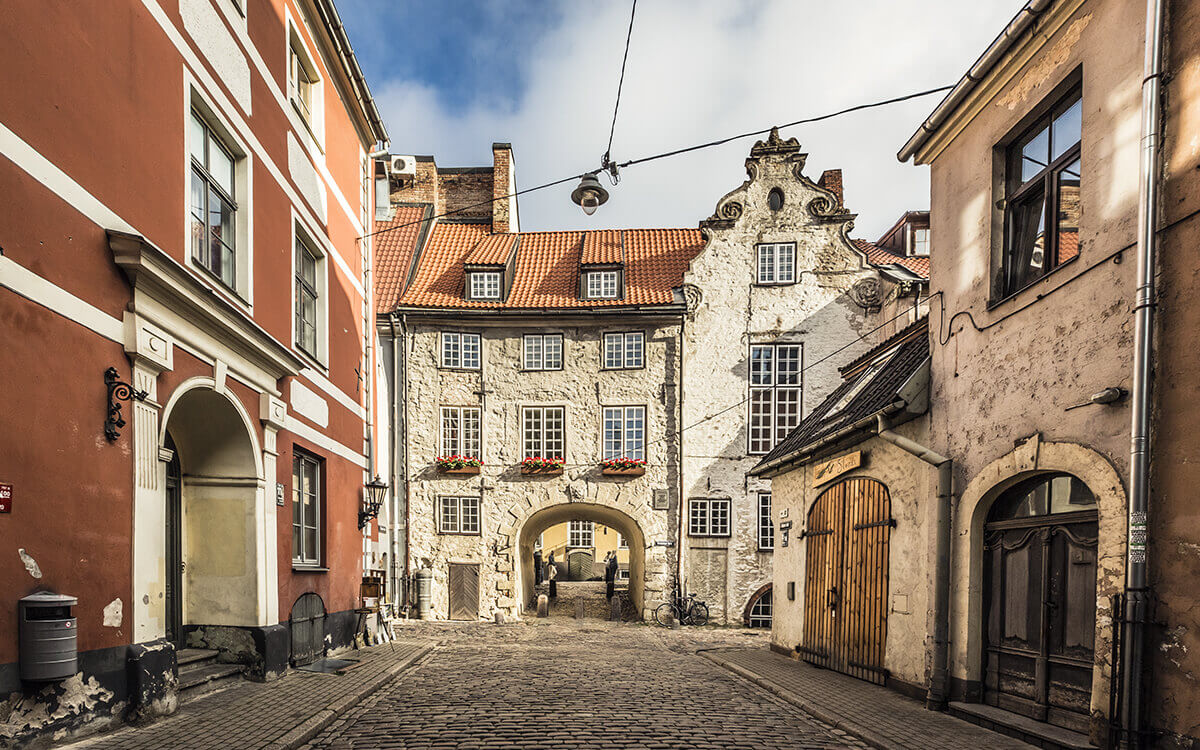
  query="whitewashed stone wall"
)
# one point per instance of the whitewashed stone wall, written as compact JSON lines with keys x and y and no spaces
{"x":509,"y":499}
{"x":728,"y":313}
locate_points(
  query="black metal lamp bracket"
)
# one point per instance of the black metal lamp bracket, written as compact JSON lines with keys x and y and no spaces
{"x":118,"y":391}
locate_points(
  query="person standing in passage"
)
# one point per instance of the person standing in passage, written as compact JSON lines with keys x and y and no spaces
{"x":537,"y":568}
{"x":610,"y":574}
{"x":551,"y":574}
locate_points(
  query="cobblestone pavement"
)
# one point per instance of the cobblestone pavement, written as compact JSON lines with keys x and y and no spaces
{"x":575,"y":685}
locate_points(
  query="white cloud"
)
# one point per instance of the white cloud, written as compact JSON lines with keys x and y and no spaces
{"x":700,"y":70}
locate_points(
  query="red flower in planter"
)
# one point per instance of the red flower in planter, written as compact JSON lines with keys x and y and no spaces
{"x":457,"y":462}
{"x":623,"y":463}
{"x":541,"y":464}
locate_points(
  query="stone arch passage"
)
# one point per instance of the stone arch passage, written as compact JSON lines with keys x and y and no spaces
{"x":603,"y":514}
{"x":221,"y":470}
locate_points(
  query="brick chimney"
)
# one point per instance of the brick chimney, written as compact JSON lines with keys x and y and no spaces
{"x":504,"y":210}
{"x":831,"y":180}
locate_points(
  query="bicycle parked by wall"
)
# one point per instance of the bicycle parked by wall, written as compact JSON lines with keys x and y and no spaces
{"x":687,"y":610}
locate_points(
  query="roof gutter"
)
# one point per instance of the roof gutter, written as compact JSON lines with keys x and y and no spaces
{"x":362,"y":92}
{"x":785,"y":462}
{"x":969,"y":82}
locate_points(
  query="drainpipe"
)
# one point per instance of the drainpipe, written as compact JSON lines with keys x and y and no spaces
{"x":402,"y":353}
{"x":682,"y":514}
{"x":1137,"y":590}
{"x":398,"y":593}
{"x":939,"y":678}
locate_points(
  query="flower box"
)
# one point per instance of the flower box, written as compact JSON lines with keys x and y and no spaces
{"x":458,"y":464}
{"x":459,"y":470}
{"x":535,"y":466}
{"x":613,"y":471}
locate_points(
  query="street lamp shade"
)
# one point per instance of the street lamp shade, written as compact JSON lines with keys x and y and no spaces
{"x":590,"y":194}
{"x":372,"y":499}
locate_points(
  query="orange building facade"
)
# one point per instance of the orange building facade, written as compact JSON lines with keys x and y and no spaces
{"x":187,"y":185}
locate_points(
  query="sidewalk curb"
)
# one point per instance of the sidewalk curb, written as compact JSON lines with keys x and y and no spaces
{"x":325,"y":716}
{"x":872,"y":738}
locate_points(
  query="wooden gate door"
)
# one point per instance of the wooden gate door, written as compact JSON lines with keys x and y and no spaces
{"x":579,"y":565}
{"x":307,"y":629}
{"x":846,"y":577}
{"x":1040,"y":601}
{"x":174,"y":557}
{"x":464,"y":591}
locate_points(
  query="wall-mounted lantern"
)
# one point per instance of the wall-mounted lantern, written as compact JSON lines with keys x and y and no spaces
{"x":372,"y":499}
{"x":118,"y":391}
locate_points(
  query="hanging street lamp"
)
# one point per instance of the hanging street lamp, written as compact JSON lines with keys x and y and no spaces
{"x":590,"y":194}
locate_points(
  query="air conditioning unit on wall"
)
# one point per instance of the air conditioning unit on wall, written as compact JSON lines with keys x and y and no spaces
{"x":402,"y":166}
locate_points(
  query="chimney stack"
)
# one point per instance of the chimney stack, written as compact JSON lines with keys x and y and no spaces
{"x":504,"y":210}
{"x":831,"y":180}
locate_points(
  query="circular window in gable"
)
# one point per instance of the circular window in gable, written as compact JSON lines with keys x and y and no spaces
{"x":775,"y":199}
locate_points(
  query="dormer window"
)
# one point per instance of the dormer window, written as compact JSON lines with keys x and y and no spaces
{"x":602,"y":284}
{"x":920,"y":243}
{"x":485,"y":284}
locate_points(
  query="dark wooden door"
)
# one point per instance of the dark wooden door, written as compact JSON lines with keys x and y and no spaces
{"x":174,"y":557}
{"x":846,"y":578}
{"x":1040,"y":611}
{"x":307,"y":625}
{"x":464,"y":591}
{"x":579,"y":565}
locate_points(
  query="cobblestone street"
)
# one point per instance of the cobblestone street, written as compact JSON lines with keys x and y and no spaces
{"x":576,"y":685}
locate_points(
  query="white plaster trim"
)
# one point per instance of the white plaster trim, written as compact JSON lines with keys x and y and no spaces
{"x":345,"y":399}
{"x":41,"y":169}
{"x":56,"y":299}
{"x":291,"y":424}
{"x":210,"y":87}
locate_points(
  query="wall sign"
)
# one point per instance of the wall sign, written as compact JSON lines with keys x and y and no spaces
{"x":835,"y":467}
{"x":279,"y":494}
{"x":6,"y":497}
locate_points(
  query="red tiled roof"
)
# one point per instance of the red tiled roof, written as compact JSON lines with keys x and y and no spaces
{"x":602,"y":247}
{"x":491,"y":250}
{"x":393,"y":254}
{"x":877,"y":256}
{"x":548,"y":266}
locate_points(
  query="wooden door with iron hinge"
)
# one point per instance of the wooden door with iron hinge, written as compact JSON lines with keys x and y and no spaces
{"x":464,"y":591}
{"x":846,"y":579}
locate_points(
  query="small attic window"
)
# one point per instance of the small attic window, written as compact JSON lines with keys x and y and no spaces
{"x":775,"y":199}
{"x":604,"y":284}
{"x":485,"y":285}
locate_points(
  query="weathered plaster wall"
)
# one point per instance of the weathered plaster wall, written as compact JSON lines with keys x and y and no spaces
{"x":1013,"y":369}
{"x":731,"y":314}
{"x":911,"y":485}
{"x":502,"y":388}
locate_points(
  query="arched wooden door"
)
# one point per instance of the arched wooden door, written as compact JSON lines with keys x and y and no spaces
{"x":846,"y":579}
{"x":1040,"y":600}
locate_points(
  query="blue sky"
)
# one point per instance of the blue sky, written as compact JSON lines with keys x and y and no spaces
{"x":452,"y":77}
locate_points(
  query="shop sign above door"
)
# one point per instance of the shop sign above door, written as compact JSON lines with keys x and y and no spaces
{"x":835,"y":467}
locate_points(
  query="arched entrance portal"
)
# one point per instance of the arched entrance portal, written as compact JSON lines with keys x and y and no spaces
{"x":214,"y":483}
{"x":565,"y":512}
{"x":1039,"y":570}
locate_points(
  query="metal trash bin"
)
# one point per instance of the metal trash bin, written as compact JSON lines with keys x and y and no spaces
{"x":48,"y":647}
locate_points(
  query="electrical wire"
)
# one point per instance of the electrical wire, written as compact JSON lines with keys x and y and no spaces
{"x":654,"y":157}
{"x":620,"y":84}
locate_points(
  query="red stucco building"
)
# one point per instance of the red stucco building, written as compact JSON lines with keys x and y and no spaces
{"x":186,"y":185}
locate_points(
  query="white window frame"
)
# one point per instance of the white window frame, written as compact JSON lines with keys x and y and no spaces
{"x":604,"y":284}
{"x":542,"y":351}
{"x":486,"y":284}
{"x":459,"y":514}
{"x":581,"y":534}
{"x":302,"y":238}
{"x":766,"y":526}
{"x":622,"y":542}
{"x":302,"y":497}
{"x":536,"y":440}
{"x":298,"y":58}
{"x":920,"y":247}
{"x":242,"y":291}
{"x":764,"y":602}
{"x":616,"y":354}
{"x":460,"y":351}
{"x":617,"y":424}
{"x":771,"y":394}
{"x":775,"y":263}
{"x":465,"y":437}
{"x":709,"y":516}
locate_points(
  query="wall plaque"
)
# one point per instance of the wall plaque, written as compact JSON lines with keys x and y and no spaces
{"x":835,"y":467}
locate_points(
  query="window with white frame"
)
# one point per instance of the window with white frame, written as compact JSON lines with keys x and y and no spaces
{"x":581,"y":534}
{"x":760,"y":611}
{"x":602,"y":285}
{"x":777,"y":263}
{"x":624,"y":432}
{"x":213,"y":202}
{"x":622,"y":542}
{"x":306,"y":509}
{"x":708,"y":516}
{"x":766,"y":529}
{"x":920,"y":242}
{"x":458,"y":515}
{"x":624,"y":351}
{"x":303,"y":82}
{"x":543,"y":351}
{"x":460,"y":431}
{"x":485,"y":284}
{"x":308,"y":294}
{"x":544,"y":431}
{"x":460,"y":351}
{"x":774,"y":394}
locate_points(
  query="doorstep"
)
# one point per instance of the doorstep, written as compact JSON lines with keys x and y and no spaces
{"x":1036,"y":733}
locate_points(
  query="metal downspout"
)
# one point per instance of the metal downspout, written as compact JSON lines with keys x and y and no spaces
{"x":1137,"y":591}
{"x":403,"y":355}
{"x":679,"y":442}
{"x":939,"y":677}
{"x":399,"y":594}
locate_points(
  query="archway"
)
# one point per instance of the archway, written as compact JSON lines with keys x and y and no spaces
{"x":565,"y":512}
{"x":221,"y":581}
